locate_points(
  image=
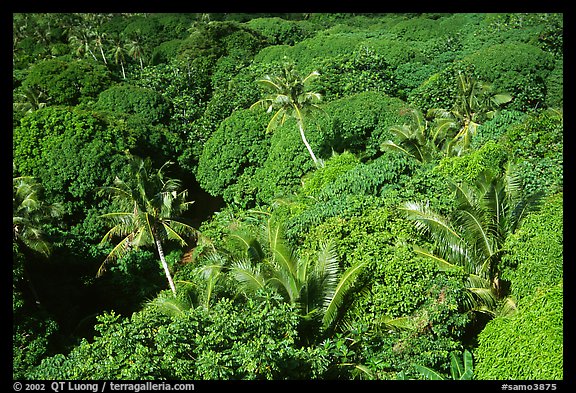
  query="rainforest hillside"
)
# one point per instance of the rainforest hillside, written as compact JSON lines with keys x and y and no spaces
{"x":287,"y":196}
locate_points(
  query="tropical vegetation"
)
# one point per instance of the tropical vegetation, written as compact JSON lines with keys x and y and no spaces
{"x":280,"y":196}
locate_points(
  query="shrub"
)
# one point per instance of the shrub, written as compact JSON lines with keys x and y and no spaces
{"x":132,"y":100}
{"x":359,"y":123}
{"x":67,"y":83}
{"x":490,"y":157}
{"x":238,"y":144}
{"x":534,"y":254}
{"x":537,"y":145}
{"x":527,"y":346}
{"x":517,"y":68}
{"x":279,"y":31}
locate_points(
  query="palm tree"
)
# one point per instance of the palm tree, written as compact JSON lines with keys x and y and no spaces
{"x":29,"y":212}
{"x":414,"y":139}
{"x":472,"y":238}
{"x":135,"y":49}
{"x":314,"y":284}
{"x":118,"y":52}
{"x":148,"y":209}
{"x":475,"y":102}
{"x":289,"y":98}
{"x":99,"y":39}
{"x":80,"y":39}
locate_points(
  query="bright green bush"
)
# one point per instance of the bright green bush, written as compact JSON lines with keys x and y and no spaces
{"x":334,"y":167}
{"x":516,"y":68}
{"x":74,"y":151}
{"x":491,"y":157}
{"x":494,"y":129}
{"x":68,"y":83}
{"x":534,"y":254}
{"x":309,"y":52}
{"x":438,"y":91}
{"x":356,"y":72}
{"x":280,"y":31}
{"x":359,"y":122}
{"x":132,"y":100}
{"x":255,"y":340}
{"x":537,"y":144}
{"x":527,"y":346}
{"x":287,"y":161}
{"x":238,"y":144}
{"x":555,"y":86}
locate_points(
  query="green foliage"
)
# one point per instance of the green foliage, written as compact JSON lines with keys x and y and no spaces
{"x":148,"y":210}
{"x":360,"y":122}
{"x":528,"y":345}
{"x":286,"y":163}
{"x":279,"y":31}
{"x":31,"y":338}
{"x":439,"y":90}
{"x":132,"y":100}
{"x":236,"y":147}
{"x":555,"y":86}
{"x":518,"y":68}
{"x":71,"y":152}
{"x":333,"y":168}
{"x":347,"y":74}
{"x":538,"y":243}
{"x":537,"y":144}
{"x":265,"y":307}
{"x":122,"y":350}
{"x":311,"y":51}
{"x":67,"y":83}
{"x":255,"y":340}
{"x":426,"y":336}
{"x":471,"y":239}
{"x":459,"y":369}
{"x":30,"y":213}
{"x":494,"y":129}
{"x":491,"y":157}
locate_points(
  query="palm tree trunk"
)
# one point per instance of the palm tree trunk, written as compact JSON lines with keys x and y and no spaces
{"x":306,"y":142}
{"x":165,"y":265}
{"x":103,"y":56}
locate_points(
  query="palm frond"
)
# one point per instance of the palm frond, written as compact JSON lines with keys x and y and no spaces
{"x":249,"y":277}
{"x":399,"y":323}
{"x":441,"y":263}
{"x":427,"y":220}
{"x":169,"y":305}
{"x":389,"y":145}
{"x":335,"y":300}
{"x":281,"y":253}
{"x":428,"y":373}
{"x":117,"y":252}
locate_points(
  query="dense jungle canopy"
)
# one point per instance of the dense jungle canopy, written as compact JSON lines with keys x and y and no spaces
{"x":329,"y":196}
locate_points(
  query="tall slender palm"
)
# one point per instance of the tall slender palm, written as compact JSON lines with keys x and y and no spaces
{"x":136,"y":49}
{"x":81,"y":39}
{"x":473,"y":236}
{"x":99,"y":39}
{"x":148,"y":209}
{"x":289,"y":98}
{"x":118,"y":52}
